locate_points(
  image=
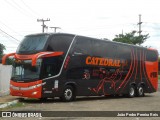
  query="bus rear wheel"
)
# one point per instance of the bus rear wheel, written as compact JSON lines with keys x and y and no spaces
{"x":131,"y":92}
{"x":68,"y":94}
{"x":140,"y":91}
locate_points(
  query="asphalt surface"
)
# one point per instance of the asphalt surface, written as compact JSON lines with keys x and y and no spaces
{"x":151,"y":102}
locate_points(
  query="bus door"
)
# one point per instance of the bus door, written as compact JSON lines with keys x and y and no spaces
{"x":50,"y":67}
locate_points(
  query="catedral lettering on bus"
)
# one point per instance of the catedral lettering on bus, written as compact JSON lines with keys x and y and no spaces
{"x":66,"y":65}
{"x":102,"y":61}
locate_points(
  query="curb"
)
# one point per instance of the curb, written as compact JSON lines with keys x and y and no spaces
{"x":9,"y":104}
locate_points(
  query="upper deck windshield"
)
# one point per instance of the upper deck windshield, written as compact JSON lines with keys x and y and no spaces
{"x":24,"y":71}
{"x":32,"y":44}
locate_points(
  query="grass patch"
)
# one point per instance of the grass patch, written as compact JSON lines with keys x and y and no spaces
{"x":158,"y":77}
{"x":19,"y":104}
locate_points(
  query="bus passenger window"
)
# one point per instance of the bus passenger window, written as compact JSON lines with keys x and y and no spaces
{"x":51,"y":66}
{"x":151,"y":56}
{"x":49,"y":71}
{"x":82,"y":46}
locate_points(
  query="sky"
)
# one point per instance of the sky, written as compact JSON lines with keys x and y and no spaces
{"x":93,"y":18}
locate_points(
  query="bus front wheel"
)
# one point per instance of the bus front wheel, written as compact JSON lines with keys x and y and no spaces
{"x":68,"y":94}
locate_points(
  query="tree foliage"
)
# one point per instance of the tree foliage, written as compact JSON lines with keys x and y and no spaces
{"x":2,"y":48}
{"x":9,"y":61}
{"x":131,"y":38}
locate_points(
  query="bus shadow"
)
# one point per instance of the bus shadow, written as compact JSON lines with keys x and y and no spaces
{"x":78,"y":99}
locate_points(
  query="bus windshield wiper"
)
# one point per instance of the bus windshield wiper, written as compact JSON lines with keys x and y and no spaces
{"x":26,"y":78}
{"x":15,"y":77}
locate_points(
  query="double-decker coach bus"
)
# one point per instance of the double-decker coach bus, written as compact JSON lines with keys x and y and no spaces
{"x":66,"y":65}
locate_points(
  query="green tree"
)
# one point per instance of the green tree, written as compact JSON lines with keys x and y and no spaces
{"x":131,"y":38}
{"x":2,"y":48}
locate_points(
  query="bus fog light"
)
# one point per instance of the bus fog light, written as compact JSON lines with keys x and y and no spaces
{"x":34,"y":93}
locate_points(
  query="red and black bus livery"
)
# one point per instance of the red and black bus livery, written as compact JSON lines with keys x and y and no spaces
{"x":67,"y":65}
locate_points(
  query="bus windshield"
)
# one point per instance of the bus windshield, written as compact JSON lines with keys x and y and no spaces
{"x":32,"y":44}
{"x":24,"y":71}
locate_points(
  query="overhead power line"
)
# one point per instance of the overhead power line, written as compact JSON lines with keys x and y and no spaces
{"x":29,"y":8}
{"x":10,"y":28}
{"x":9,"y":35}
{"x":20,"y":9}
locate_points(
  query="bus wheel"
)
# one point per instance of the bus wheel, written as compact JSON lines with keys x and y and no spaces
{"x":131,"y":92}
{"x":68,"y":94}
{"x":140,"y":91}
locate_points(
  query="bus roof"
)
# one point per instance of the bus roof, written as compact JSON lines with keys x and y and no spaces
{"x":91,"y":38}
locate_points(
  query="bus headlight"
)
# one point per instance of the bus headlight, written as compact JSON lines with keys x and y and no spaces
{"x":34,"y":93}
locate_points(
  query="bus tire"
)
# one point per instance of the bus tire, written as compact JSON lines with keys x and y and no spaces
{"x":131,"y":91}
{"x":140,"y":91}
{"x":68,"y":94}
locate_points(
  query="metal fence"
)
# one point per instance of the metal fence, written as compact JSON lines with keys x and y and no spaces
{"x":5,"y":75}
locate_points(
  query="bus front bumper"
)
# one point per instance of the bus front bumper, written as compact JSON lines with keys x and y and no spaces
{"x":30,"y":89}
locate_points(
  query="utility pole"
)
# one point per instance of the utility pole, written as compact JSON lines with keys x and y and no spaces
{"x":122,"y":31}
{"x":55,"y":28}
{"x":139,"y":24}
{"x":43,"y":25}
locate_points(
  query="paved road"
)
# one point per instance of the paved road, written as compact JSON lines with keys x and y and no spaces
{"x":151,"y":102}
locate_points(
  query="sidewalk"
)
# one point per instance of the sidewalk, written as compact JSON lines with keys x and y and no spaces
{"x":8,"y":100}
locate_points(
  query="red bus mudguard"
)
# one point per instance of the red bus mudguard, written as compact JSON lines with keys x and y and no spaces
{"x":44,"y":54}
{"x":4,"y":58}
{"x":32,"y":57}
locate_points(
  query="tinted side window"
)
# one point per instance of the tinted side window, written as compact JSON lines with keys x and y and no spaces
{"x":123,"y":52}
{"x":82,"y":46}
{"x":60,"y":43}
{"x":51,"y":66}
{"x":96,"y":47}
{"x":103,"y":49}
{"x":151,"y":56}
{"x":109,"y":49}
